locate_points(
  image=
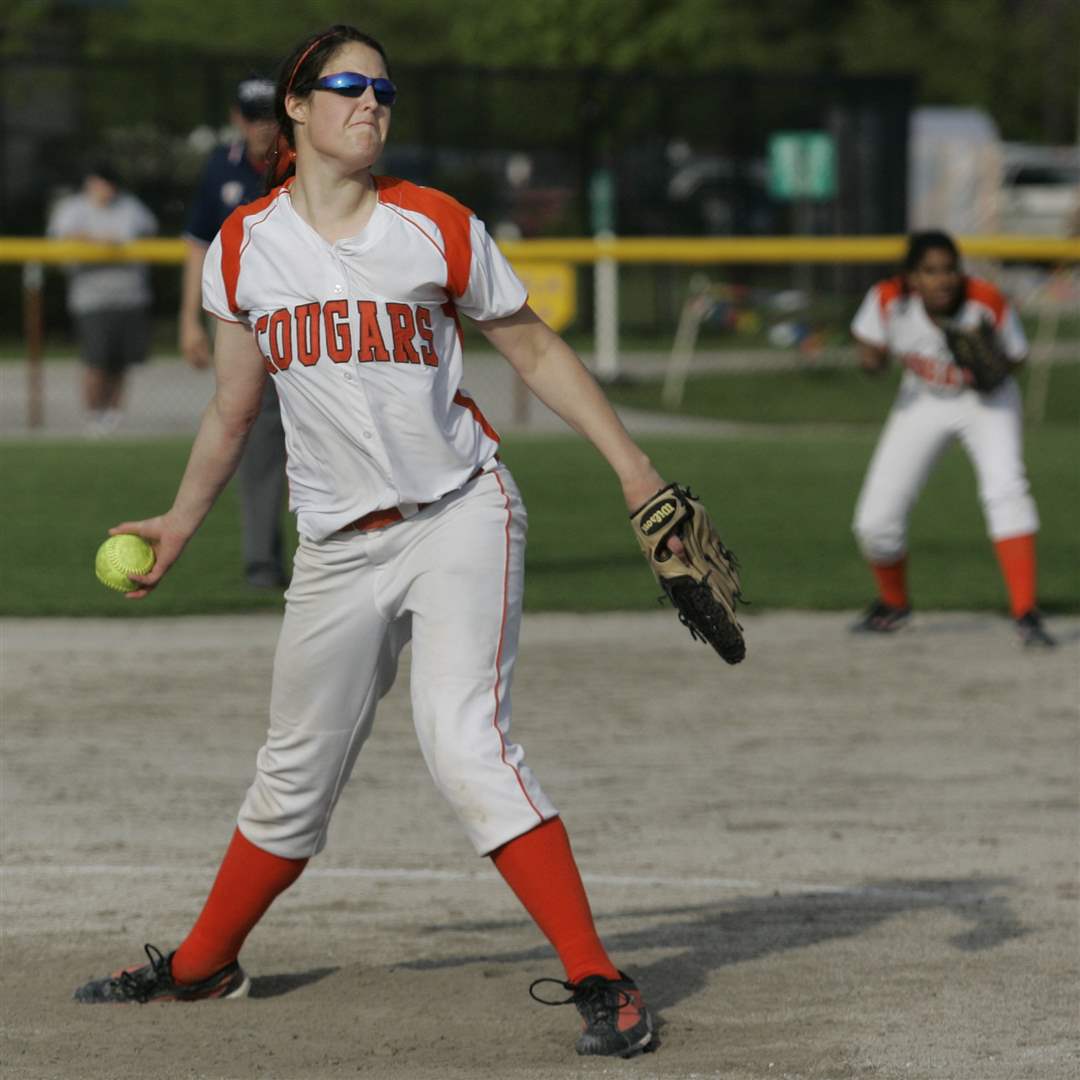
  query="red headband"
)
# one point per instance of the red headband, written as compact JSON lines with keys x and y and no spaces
{"x":303,"y":56}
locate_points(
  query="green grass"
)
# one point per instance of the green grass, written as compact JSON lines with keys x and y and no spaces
{"x":783,"y":504}
{"x":817,"y":395}
{"x":60,"y":499}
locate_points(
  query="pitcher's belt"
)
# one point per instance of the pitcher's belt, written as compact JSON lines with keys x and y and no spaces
{"x":379,"y":519}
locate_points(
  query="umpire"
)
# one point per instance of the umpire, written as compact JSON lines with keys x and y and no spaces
{"x":234,"y":175}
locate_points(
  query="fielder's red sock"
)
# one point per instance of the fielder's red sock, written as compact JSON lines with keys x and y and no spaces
{"x":246,"y":885}
{"x":892,"y":582}
{"x":1016,"y":556}
{"x":539,"y":866}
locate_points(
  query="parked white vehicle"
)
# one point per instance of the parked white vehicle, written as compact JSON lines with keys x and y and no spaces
{"x":1040,"y":190}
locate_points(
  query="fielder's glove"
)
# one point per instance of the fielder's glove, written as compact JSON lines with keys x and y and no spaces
{"x":703,"y":583}
{"x":980,"y":352}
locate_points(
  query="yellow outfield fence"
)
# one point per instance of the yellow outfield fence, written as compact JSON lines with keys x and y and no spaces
{"x":715,"y":250}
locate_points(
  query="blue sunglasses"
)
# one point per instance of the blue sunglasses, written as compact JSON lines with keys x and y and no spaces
{"x":353,"y":85}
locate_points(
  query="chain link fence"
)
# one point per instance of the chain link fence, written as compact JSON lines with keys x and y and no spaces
{"x":679,"y":154}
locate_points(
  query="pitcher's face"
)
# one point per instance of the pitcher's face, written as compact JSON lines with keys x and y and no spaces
{"x":347,"y":130}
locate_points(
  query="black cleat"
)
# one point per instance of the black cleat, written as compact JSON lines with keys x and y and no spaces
{"x":882,"y":618}
{"x":1032,"y":632}
{"x":154,"y":982}
{"x":617,"y":1022}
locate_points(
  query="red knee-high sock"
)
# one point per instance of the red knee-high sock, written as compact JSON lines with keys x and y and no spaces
{"x":1016,"y":556}
{"x":892,"y":582}
{"x":539,"y":866}
{"x":247,"y":883}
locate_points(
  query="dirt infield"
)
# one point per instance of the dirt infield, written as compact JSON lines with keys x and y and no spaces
{"x":844,"y":858}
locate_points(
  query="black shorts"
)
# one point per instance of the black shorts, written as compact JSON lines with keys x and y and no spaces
{"x":115,"y":339}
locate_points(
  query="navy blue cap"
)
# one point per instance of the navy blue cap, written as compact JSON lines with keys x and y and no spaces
{"x":255,"y":99}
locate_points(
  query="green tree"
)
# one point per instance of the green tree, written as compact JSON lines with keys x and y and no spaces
{"x":1018,"y":59}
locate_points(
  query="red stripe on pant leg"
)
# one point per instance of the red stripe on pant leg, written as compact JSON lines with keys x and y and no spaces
{"x":498,"y":653}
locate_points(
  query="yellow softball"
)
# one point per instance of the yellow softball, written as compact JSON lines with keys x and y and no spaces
{"x":122,"y":555}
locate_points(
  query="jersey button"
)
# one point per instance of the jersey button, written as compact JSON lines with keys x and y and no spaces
{"x":367,"y":434}
{"x":339,"y":288}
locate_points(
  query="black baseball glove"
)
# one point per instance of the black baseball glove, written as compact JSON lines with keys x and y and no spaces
{"x":703,"y":583}
{"x":980,"y":352}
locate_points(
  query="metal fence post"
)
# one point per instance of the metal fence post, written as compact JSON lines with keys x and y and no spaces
{"x":606,"y":304}
{"x":33,"y":279}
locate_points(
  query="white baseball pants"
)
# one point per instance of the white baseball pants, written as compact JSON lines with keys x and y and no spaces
{"x":919,"y":428}
{"x":450,"y":578}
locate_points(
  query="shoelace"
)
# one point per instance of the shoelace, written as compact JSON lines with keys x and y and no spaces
{"x":137,"y":984}
{"x":600,"y":999}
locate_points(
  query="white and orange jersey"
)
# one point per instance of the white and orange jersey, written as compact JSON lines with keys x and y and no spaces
{"x":892,"y":317}
{"x":363,"y":342}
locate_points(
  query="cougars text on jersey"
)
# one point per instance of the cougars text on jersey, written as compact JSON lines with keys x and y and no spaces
{"x":385,"y":332}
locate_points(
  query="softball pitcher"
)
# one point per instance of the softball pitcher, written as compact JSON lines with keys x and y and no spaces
{"x":347,"y":290}
{"x":913,"y":317}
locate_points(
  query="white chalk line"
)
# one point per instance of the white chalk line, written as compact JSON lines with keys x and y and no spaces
{"x":364,"y":873}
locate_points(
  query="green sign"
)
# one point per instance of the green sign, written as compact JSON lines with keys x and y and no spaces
{"x":802,"y":165}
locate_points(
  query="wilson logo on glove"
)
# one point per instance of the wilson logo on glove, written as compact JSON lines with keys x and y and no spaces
{"x":655,"y":518}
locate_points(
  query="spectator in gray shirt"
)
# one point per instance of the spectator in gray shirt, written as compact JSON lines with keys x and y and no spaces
{"x":109,"y":302}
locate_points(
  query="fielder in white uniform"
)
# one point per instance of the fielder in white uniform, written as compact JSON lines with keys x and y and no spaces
{"x":902,"y":318}
{"x":347,"y":289}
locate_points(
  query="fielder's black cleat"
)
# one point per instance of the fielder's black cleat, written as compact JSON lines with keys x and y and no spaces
{"x":1033,"y":634}
{"x":617,"y":1022}
{"x":154,"y":982}
{"x":882,"y":618}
